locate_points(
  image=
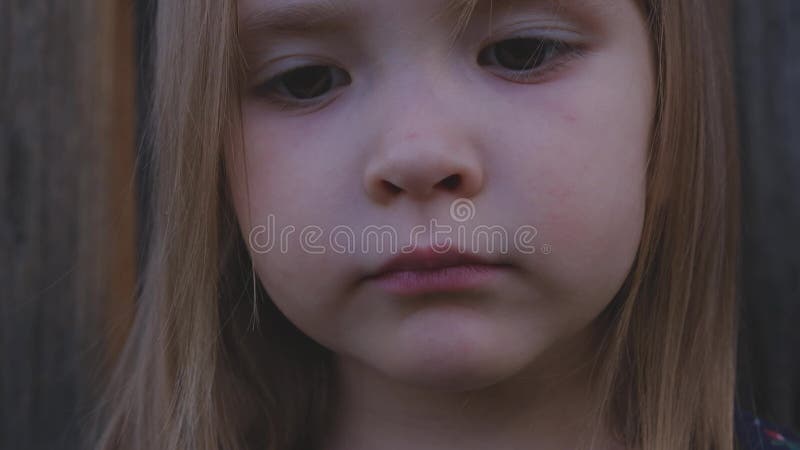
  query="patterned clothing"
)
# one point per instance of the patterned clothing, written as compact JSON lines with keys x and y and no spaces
{"x":757,"y":434}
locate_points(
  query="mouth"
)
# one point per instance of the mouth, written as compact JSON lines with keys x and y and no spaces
{"x":427,"y":270}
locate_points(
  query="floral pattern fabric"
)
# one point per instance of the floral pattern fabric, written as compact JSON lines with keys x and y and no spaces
{"x":755,"y":433}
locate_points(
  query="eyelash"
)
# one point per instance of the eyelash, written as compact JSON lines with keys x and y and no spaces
{"x":551,"y":55}
{"x":554,"y":54}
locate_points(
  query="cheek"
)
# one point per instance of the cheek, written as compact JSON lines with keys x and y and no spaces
{"x":283,"y":185}
{"x":294,"y":169}
{"x":582,"y":176}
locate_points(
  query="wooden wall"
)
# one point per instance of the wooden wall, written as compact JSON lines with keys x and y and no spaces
{"x":67,"y":233}
{"x":767,"y":50}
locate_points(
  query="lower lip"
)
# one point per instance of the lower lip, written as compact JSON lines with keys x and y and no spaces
{"x":447,"y":279}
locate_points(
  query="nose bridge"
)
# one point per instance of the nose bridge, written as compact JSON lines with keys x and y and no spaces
{"x":422,"y":86}
{"x":419,"y":89}
{"x":424,"y":145}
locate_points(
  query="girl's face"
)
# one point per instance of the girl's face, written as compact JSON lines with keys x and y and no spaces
{"x":374,"y":113}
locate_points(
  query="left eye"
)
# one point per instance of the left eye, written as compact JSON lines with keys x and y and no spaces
{"x":521,"y":54}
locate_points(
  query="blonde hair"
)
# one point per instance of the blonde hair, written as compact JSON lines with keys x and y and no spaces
{"x":194,"y":375}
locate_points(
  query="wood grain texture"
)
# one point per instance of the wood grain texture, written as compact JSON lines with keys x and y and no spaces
{"x":767,"y":51}
{"x":66,"y":236}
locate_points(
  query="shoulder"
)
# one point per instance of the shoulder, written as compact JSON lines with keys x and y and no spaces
{"x":755,"y":433}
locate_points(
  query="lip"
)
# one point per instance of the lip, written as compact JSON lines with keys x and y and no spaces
{"x":426,"y":270}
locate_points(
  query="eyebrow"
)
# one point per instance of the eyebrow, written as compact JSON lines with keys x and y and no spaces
{"x":321,"y":16}
{"x":293,"y":18}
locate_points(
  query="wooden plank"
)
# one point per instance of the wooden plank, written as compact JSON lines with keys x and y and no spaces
{"x":67,"y":231}
{"x":767,"y":51}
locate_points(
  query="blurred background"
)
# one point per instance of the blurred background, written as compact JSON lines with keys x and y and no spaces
{"x":73,"y":76}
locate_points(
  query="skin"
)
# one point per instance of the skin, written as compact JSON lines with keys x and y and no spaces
{"x":503,"y":365}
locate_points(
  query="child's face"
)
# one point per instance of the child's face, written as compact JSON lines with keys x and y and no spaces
{"x":395,"y":124}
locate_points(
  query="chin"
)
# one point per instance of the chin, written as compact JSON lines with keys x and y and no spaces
{"x":455,"y":359}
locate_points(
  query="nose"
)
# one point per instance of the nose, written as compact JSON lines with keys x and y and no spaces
{"x":420,"y":157}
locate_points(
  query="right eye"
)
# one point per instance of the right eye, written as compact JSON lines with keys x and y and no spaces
{"x":303,"y":84}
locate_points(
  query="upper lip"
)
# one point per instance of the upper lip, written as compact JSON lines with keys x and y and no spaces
{"x":426,"y":258}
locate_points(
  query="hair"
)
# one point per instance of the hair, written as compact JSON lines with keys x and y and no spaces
{"x":194,"y":374}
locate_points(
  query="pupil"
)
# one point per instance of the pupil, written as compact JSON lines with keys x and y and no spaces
{"x":520,"y":54}
{"x":309,"y":82}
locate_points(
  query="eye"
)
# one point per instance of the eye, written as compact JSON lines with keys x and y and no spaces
{"x":523,"y":55}
{"x":304,"y":83}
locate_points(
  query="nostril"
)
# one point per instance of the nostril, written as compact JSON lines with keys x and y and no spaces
{"x":452,"y":182}
{"x":391,"y":187}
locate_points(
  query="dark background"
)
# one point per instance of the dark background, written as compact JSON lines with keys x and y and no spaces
{"x":72,"y":74}
{"x":767,"y":57}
